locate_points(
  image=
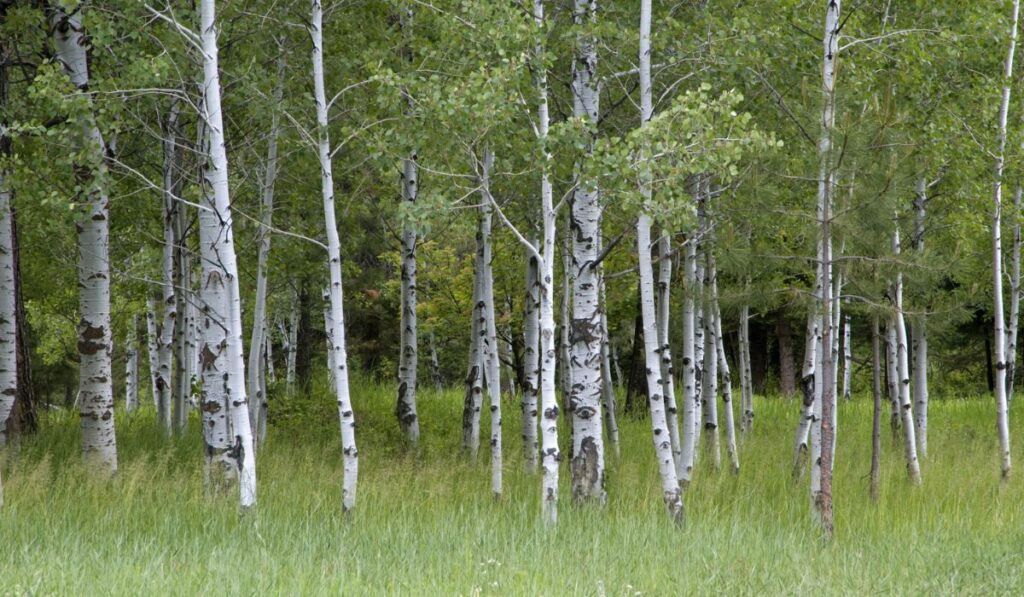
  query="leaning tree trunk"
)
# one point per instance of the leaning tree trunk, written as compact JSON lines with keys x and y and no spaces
{"x":586,"y":333}
{"x":550,"y":455}
{"x":723,"y":369}
{"x":808,"y":389}
{"x":608,"y":387}
{"x":95,"y":390}
{"x":903,"y":371}
{"x":257,"y":344}
{"x":489,"y":342}
{"x":337,"y":334}
{"x":531,"y":361}
{"x":659,"y":423}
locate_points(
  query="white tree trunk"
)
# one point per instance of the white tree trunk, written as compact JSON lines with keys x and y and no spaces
{"x":550,"y":455}
{"x":435,"y":364}
{"x":919,"y":327}
{"x":709,"y":376}
{"x":892,"y":375}
{"x":723,"y":370}
{"x":152,"y":339}
{"x":216,"y":175}
{"x":8,"y":321}
{"x":664,"y":309}
{"x":216,"y":410}
{"x":131,"y":353}
{"x":847,"y":358}
{"x":807,"y":390}
{"x":822,"y":430}
{"x":903,"y":371}
{"x":257,"y":343}
{"x":492,"y":363}
{"x":337,"y":334}
{"x":565,"y":364}
{"x":184,"y":327}
{"x":1002,"y":415}
{"x":691,"y":391}
{"x":408,"y":356}
{"x":746,"y":391}
{"x":475,"y":373}
{"x":586,"y":333}
{"x":171,"y":404}
{"x":701,"y":196}
{"x":611,"y":421}
{"x":608,"y":386}
{"x":329,"y":327}
{"x":659,"y":423}
{"x":531,"y":361}
{"x":95,"y":391}
{"x":1014,"y":320}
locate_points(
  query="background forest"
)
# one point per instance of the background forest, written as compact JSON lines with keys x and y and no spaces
{"x":777,"y":241}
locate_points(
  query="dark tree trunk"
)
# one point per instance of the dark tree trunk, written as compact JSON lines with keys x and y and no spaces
{"x":990,"y":374}
{"x":306,"y":339}
{"x":24,"y":418}
{"x":760,"y":352}
{"x":787,"y":364}
{"x":876,"y":421}
{"x":636,"y":384}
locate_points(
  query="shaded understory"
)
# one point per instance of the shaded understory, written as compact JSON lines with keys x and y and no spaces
{"x":425,"y":522}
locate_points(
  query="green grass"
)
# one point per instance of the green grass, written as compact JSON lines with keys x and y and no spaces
{"x":426,"y":525}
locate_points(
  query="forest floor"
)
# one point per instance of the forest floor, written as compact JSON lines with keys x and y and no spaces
{"x":426,"y":524}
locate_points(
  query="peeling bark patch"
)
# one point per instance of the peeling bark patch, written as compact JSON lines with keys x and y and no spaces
{"x":90,"y":338}
{"x":586,"y":478}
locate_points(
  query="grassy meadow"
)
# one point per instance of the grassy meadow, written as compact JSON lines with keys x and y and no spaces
{"x":426,"y":524}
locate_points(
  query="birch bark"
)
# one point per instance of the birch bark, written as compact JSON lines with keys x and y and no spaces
{"x":95,"y":391}
{"x":550,"y":455}
{"x":662,"y":444}
{"x":172,"y":404}
{"x":664,"y":309}
{"x":919,"y":327}
{"x":586,"y":332}
{"x":337,"y":334}
{"x":490,"y":339}
{"x":903,"y":372}
{"x":691,"y":391}
{"x":475,"y":374}
{"x":531,"y":361}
